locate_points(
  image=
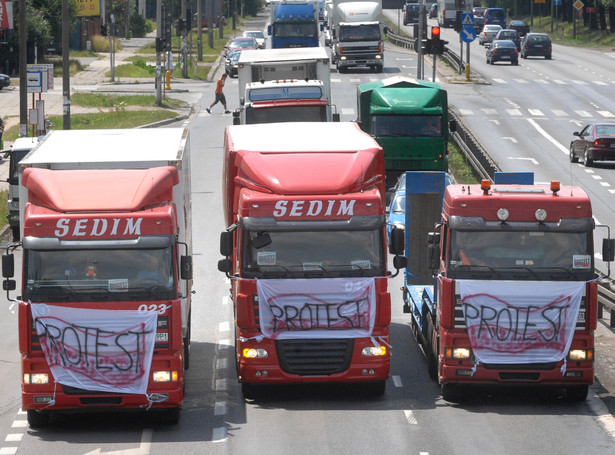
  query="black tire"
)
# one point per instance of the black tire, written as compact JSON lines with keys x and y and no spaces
{"x":430,"y":349}
{"x":375,"y":389}
{"x":37,"y":419}
{"x":577,"y":394}
{"x":187,"y":342}
{"x":587,"y":160}
{"x":249,"y":391}
{"x":167,"y":416}
{"x":492,"y":62}
{"x":451,"y":392}
{"x":573,"y":157}
{"x":548,"y":57}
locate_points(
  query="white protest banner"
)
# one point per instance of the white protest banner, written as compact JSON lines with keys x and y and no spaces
{"x":520,"y":322}
{"x":102,"y":350}
{"x":317,"y":308}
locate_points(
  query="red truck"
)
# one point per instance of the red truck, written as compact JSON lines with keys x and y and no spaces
{"x":104,"y":314}
{"x":515,"y":295}
{"x":306,"y":254}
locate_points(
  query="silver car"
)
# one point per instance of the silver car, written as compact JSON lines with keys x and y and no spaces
{"x":488,"y":34}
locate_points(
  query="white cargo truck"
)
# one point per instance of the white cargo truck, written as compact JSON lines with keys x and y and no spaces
{"x":298,"y":78}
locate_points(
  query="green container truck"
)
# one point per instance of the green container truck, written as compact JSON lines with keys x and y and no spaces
{"x":409,"y":119}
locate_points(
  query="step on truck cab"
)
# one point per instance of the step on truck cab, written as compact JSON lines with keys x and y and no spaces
{"x":306,"y":254}
{"x":514,"y":300}
{"x":106,"y":254}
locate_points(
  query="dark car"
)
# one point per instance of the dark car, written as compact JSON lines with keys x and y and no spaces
{"x":411,"y":13}
{"x":536,"y":44}
{"x":520,"y":26}
{"x":231,"y":62}
{"x":595,"y":142}
{"x":510,"y":35}
{"x":244,"y":42}
{"x":5,"y":81}
{"x":478,"y":23}
{"x":503,"y":51}
{"x":433,"y":11}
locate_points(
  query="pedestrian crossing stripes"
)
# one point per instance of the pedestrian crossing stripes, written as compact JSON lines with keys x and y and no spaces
{"x":598,"y":83}
{"x":598,"y":115}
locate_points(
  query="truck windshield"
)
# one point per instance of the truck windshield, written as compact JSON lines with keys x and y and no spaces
{"x":406,"y":126}
{"x":315,"y":253}
{"x":295,"y":30}
{"x":367,"y":32}
{"x":567,"y":253}
{"x":99,"y":275}
{"x":286,"y":114}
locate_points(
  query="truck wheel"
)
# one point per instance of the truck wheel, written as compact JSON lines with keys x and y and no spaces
{"x":415,"y":330}
{"x":577,"y":393}
{"x":375,"y":389}
{"x":187,"y":342}
{"x":451,"y":393}
{"x":249,"y":391}
{"x":38,"y":419}
{"x":379,"y":68}
{"x":432,"y":360}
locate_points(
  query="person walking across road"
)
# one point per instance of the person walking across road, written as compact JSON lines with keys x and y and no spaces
{"x":219,"y":95}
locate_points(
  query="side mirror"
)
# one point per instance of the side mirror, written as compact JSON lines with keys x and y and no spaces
{"x":185,"y":267}
{"x":226,"y":243}
{"x":452,"y":126}
{"x":385,"y":30}
{"x":9,"y":285}
{"x":224,"y":265}
{"x":269,"y":30}
{"x":400,"y":262}
{"x":8,"y":265}
{"x":397,"y":243}
{"x":433,"y":257}
{"x":576,"y":133}
{"x":608,"y":250}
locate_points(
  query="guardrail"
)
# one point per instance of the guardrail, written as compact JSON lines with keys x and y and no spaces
{"x":410,"y":43}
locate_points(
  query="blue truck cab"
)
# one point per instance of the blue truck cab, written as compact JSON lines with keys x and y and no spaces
{"x":294,"y":25}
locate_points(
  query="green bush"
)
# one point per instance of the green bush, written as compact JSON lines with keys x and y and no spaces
{"x":101,"y":44}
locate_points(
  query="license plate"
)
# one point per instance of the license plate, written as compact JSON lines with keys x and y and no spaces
{"x":538,"y":45}
{"x":162,"y":337}
{"x":505,"y":57}
{"x":581,"y":317}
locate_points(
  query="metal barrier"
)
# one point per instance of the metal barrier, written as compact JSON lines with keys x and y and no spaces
{"x":410,"y":43}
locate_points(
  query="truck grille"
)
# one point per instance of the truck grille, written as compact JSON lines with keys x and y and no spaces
{"x":314,"y":357}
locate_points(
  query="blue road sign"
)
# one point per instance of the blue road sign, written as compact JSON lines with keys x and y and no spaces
{"x":467,"y":19}
{"x":468,"y":34}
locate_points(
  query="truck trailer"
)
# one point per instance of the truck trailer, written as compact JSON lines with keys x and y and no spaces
{"x":409,"y":119}
{"x":289,"y":85}
{"x":104,"y":314}
{"x":306,"y":254}
{"x":505,"y":291}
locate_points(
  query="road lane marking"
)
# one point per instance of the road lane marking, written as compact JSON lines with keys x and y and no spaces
{"x":410,"y":418}
{"x":547,"y":136}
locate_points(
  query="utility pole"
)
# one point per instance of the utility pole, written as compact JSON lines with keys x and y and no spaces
{"x":199,"y":27}
{"x":158,"y":84}
{"x":210,"y":23}
{"x":65,"y":67}
{"x":23,"y":83}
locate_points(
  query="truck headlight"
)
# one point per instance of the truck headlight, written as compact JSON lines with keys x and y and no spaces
{"x":36,"y":378}
{"x":581,"y":354}
{"x":251,"y":353}
{"x":457,"y":353}
{"x":374,"y":351}
{"x":164,"y":376}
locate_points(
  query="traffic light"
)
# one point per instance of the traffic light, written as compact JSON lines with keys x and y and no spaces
{"x":435,"y":40}
{"x":103,"y":29}
{"x":4,"y":35}
{"x":457,"y":26}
